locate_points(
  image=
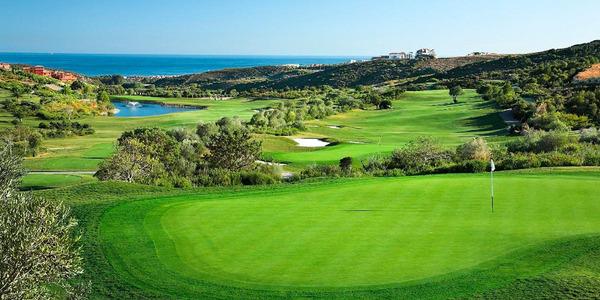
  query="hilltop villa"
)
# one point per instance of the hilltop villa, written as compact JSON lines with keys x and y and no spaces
{"x":60,"y":75}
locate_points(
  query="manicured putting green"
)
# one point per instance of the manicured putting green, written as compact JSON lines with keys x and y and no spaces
{"x":353,"y":233}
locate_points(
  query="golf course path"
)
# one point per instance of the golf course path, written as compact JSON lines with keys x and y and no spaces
{"x":63,"y":172}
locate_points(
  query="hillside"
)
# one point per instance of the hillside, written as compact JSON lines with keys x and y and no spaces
{"x":403,"y":72}
{"x":227,"y":78}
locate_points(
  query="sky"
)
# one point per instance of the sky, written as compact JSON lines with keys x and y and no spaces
{"x":295,"y":27}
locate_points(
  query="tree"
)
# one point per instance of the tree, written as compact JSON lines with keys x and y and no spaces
{"x":77,"y":85}
{"x":37,"y":240}
{"x":24,"y":140}
{"x":456,"y":91}
{"x":103,"y":97}
{"x":233,"y":148}
{"x":18,"y":91}
{"x":131,"y":163}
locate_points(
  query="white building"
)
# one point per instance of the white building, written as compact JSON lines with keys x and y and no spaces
{"x":426,"y":53}
{"x":400,"y":55}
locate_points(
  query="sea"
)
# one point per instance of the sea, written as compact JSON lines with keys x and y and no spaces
{"x":158,"y":65}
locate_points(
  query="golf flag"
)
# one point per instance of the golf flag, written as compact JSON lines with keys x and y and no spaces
{"x":493,"y":167}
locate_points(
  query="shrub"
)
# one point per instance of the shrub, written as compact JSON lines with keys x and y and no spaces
{"x":376,"y":164}
{"x":419,"y":156}
{"x":385,"y":104}
{"x":346,"y":164}
{"x":590,"y":155}
{"x":320,"y":171}
{"x":257,"y":178}
{"x":474,"y":166}
{"x":557,"y":159}
{"x":539,"y":141}
{"x":475,"y":149}
{"x":519,"y":161}
{"x":590,"y":135}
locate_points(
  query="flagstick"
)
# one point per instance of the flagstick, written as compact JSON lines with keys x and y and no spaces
{"x":492,"y":179}
{"x":492,"y":169}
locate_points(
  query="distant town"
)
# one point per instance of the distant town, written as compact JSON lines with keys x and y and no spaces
{"x":424,"y":53}
{"x":42,"y":71}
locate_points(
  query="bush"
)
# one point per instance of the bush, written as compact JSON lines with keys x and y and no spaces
{"x":346,"y":164}
{"x":475,"y":149}
{"x":474,"y":166}
{"x":590,"y":155}
{"x":540,"y":141}
{"x":557,"y":159}
{"x":376,"y":164}
{"x":320,"y":171}
{"x":590,"y":135}
{"x":519,"y":161}
{"x":257,"y":178}
{"x":419,"y":156}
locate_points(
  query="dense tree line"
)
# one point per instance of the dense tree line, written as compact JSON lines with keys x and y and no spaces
{"x":289,"y":116}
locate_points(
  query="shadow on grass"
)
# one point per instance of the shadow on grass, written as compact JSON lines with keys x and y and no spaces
{"x":491,"y":123}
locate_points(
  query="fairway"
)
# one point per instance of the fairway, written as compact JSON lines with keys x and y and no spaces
{"x":347,"y":234}
{"x":362,"y":133}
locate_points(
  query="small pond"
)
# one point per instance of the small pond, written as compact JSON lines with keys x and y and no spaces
{"x":126,"y":109}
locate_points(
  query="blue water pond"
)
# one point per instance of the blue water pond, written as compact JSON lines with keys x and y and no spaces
{"x":145,"y":109}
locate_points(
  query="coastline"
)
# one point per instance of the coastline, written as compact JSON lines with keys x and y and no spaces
{"x":160,"y":66}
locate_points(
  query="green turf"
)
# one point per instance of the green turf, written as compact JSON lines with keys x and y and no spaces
{"x":416,"y":114}
{"x":49,"y":181}
{"x":369,"y":237}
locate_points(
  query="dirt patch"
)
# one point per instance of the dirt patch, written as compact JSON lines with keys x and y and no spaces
{"x":591,"y":74}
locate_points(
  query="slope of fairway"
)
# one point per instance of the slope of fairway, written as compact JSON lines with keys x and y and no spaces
{"x":362,"y":133}
{"x":345,"y":235}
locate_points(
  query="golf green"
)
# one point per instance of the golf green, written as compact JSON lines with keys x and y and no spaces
{"x":345,"y":234}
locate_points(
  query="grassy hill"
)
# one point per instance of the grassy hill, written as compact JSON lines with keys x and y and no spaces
{"x":367,"y":238}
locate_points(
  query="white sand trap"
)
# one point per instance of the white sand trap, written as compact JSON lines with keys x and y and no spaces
{"x":334,"y":127}
{"x":311,"y":143}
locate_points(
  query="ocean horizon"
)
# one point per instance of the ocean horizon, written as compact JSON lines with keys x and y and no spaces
{"x":159,"y":64}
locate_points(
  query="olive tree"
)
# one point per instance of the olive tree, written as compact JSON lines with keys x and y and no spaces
{"x":456,"y":91}
{"x":37,"y":241}
{"x":233,"y":148}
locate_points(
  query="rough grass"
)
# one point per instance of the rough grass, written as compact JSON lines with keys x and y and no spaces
{"x":365,"y":238}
